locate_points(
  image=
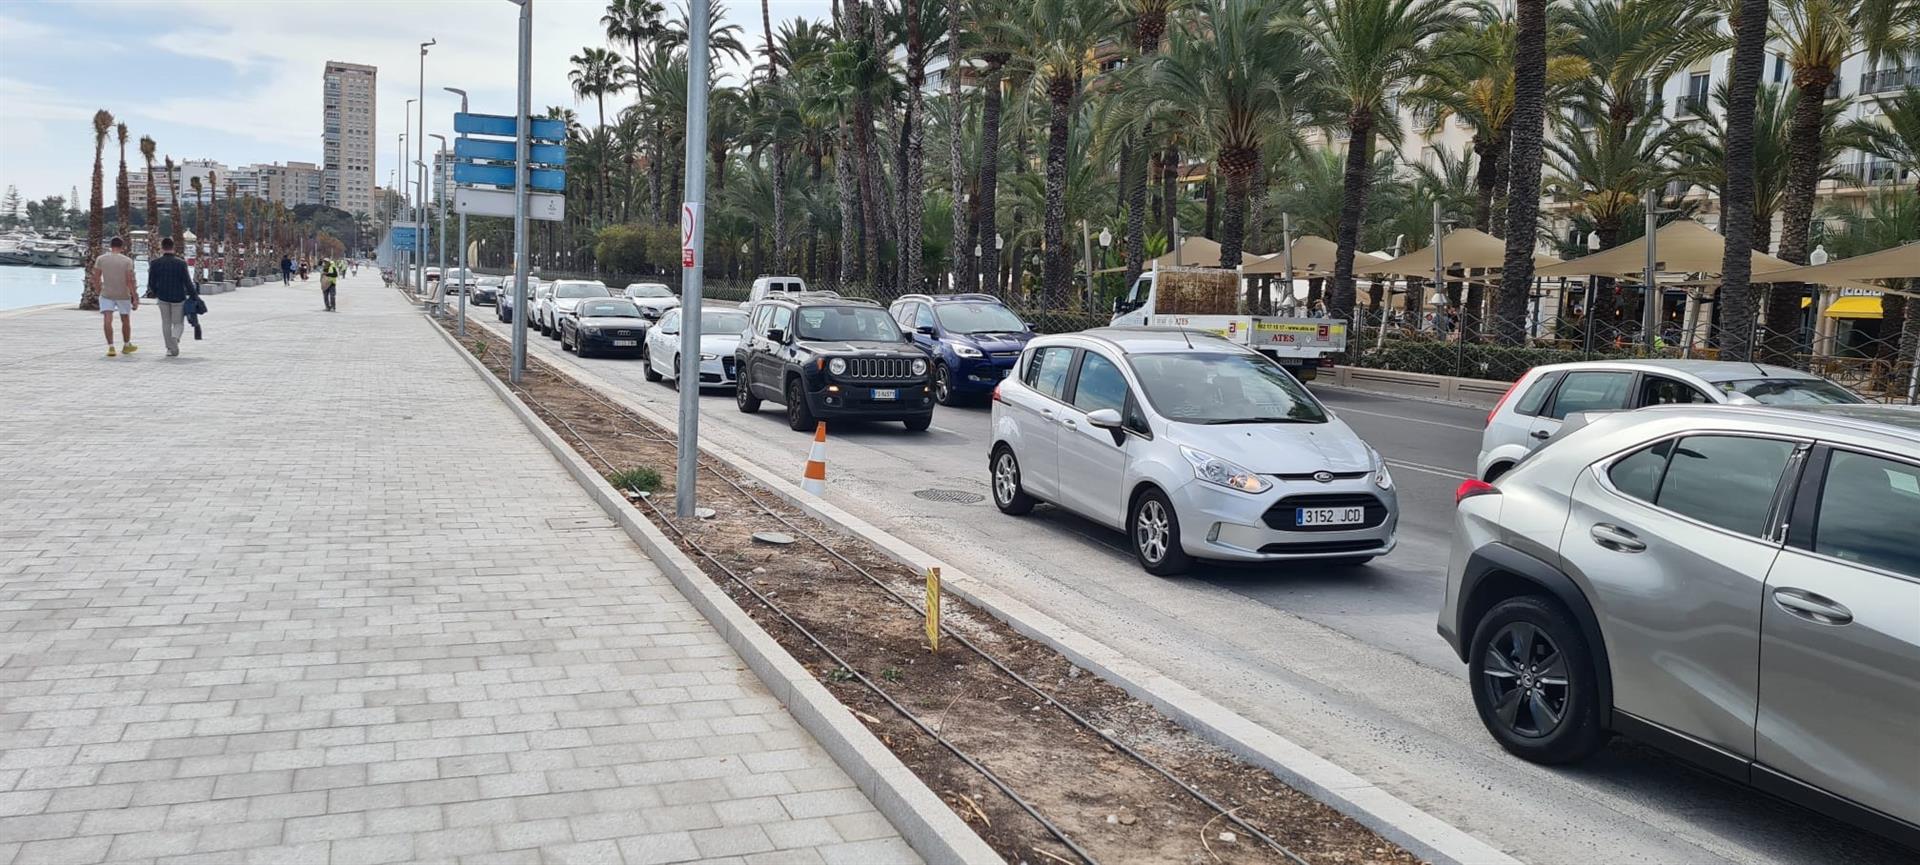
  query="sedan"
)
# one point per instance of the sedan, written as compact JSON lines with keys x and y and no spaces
{"x":486,"y":290}
{"x":558,"y":302}
{"x":653,"y":298}
{"x":720,"y":331}
{"x":603,"y":326}
{"x":1196,"y":447}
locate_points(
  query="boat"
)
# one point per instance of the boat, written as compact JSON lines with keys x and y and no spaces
{"x":49,"y":253}
{"x":13,"y":249}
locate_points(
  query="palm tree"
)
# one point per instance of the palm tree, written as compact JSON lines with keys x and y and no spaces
{"x":199,"y":226}
{"x":1149,"y":25}
{"x":918,"y":23}
{"x":1772,"y":118}
{"x":1891,"y":218}
{"x":1366,"y":50}
{"x":96,"y":227}
{"x":593,"y":76}
{"x":173,"y":190}
{"x":1523,"y":173}
{"x":153,"y":202}
{"x":1239,"y":82}
{"x":777,"y":174}
{"x":633,"y":22}
{"x":1739,"y":201}
{"x":994,"y":51}
{"x":956,"y":179}
{"x":121,"y":194}
{"x":1056,"y":41}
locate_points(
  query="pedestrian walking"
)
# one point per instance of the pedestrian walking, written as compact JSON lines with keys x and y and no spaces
{"x":329,"y":281}
{"x":113,"y":280}
{"x":172,"y":285}
{"x":286,"y":270}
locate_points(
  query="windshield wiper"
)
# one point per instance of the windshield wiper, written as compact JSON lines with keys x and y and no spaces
{"x":1229,"y":420}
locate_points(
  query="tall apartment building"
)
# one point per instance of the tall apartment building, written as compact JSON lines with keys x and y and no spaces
{"x":292,"y":184}
{"x":348,"y":132}
{"x":443,"y":177}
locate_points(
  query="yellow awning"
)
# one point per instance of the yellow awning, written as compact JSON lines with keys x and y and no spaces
{"x":1854,"y":307}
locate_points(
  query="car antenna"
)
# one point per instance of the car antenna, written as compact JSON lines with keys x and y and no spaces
{"x":1183,"y":335}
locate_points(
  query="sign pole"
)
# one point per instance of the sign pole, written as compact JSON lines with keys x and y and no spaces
{"x":692,"y":257}
{"x":524,"y":125}
{"x":464,"y":273}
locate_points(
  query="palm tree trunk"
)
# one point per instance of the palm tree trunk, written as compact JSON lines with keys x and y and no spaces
{"x":1804,"y":157}
{"x":1211,"y":227}
{"x":1740,"y":218}
{"x":1353,"y":203}
{"x":912,"y":176}
{"x":1170,"y":197}
{"x":121,"y":194}
{"x":848,"y":187}
{"x":1135,"y":181}
{"x":89,"y":292}
{"x":1600,"y":312}
{"x":779,"y":147}
{"x":1236,"y":167}
{"x":1523,"y":170}
{"x":988,"y":265}
{"x":1056,"y":266}
{"x":957,"y":252}
{"x":1485,"y":177}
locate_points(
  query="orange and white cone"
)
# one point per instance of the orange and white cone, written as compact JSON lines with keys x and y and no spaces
{"x":814,"y":480}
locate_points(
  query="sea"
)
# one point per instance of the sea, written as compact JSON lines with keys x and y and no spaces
{"x":33,"y":286}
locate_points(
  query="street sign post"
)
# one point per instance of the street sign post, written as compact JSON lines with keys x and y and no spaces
{"x":688,"y":462}
{"x":471,"y":201}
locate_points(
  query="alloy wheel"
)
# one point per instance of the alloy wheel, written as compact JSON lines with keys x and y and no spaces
{"x":1006,"y":478}
{"x":1526,"y":675}
{"x":1151,"y":530}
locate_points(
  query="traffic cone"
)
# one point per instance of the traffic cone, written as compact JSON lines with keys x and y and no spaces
{"x":814,"y":480}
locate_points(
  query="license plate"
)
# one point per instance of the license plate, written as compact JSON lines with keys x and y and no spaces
{"x":1329,"y":516}
{"x":887,"y":393}
{"x":625,"y":343}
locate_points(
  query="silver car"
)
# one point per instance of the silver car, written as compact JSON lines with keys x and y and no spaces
{"x":720,"y":332}
{"x":1531,"y":411}
{"x":1740,"y":585}
{"x":558,"y":300}
{"x":1196,"y":447}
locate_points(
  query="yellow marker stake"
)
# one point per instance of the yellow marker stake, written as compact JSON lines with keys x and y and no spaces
{"x":933,"y":608}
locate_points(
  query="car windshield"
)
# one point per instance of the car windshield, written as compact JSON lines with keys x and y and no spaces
{"x":722,"y":321}
{"x":648,"y":290}
{"x":488,"y":280}
{"x":600,"y":308}
{"x":1224,"y":388}
{"x":978,"y":318}
{"x":845,"y":323}
{"x":579,"y":289}
{"x":1791,"y":391}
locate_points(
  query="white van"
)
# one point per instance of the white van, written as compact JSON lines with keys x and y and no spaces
{"x":766,"y":285}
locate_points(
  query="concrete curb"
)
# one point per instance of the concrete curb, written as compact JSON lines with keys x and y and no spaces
{"x":1396,"y":820}
{"x":922,"y":818}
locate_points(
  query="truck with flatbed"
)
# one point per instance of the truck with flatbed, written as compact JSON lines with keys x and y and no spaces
{"x":1212,"y":300}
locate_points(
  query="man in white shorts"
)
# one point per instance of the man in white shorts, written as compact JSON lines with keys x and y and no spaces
{"x":113,"y":278}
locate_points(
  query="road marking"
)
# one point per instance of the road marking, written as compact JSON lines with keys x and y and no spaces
{"x":1340,"y":410}
{"x":1451,"y":474}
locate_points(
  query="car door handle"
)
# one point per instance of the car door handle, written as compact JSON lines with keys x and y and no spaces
{"x":1542,"y":435}
{"x":1067,"y":421}
{"x":1617,"y":539}
{"x":1812,"y":607}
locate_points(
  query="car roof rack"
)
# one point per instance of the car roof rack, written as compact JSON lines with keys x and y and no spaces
{"x":827,"y":296}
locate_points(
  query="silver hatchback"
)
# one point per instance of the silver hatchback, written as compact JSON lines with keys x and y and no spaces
{"x":1738,"y":585}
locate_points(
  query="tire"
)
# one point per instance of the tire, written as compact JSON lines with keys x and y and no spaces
{"x":1008,"y":495}
{"x":943,"y":385}
{"x":646,"y":364}
{"x":563,"y":343}
{"x":919,"y":424}
{"x":744,"y":399}
{"x":675,"y":381}
{"x":799,"y":414}
{"x":1559,"y":719}
{"x":1154,"y":530}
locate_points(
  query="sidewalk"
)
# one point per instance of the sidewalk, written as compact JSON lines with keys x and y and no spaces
{"x":310,"y":593}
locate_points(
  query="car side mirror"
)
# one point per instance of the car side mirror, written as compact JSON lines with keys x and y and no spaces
{"x":777,"y":335}
{"x":925,"y":328}
{"x":1109,"y":420}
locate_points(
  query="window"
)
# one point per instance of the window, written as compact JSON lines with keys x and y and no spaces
{"x":780,"y":319}
{"x":1694,"y":103}
{"x":1591,"y":391}
{"x":922,"y":316}
{"x":902,"y":313}
{"x":1536,"y":395}
{"x":1224,"y":388}
{"x":1791,"y":391}
{"x":1101,"y":385}
{"x":1659,"y":390}
{"x":1638,"y":474}
{"x":1725,"y":481}
{"x":1779,"y":68}
{"x":1870,"y":512}
{"x":847,"y":323}
{"x":1047,"y":370}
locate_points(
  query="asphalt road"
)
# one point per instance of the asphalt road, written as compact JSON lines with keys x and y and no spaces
{"x":1342,"y":660}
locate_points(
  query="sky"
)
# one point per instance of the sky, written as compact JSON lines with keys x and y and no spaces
{"x":239,"y":81}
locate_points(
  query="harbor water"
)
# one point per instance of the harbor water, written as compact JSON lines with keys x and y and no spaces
{"x":33,"y":286}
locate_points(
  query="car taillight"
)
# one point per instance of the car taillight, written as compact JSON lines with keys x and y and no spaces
{"x":1503,"y":401}
{"x":1472,"y":487}
{"x":996,"y":392}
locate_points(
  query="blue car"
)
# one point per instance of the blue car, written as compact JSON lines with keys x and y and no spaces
{"x":973,"y":339}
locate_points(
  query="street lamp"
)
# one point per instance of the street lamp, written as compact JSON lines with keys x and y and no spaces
{"x":463,"y":221}
{"x":440,"y":192}
{"x":419,"y":157}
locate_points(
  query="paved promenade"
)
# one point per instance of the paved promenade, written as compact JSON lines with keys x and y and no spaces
{"x":307,"y":594}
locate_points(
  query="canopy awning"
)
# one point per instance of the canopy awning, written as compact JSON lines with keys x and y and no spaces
{"x":1312,"y":256}
{"x":1900,"y":262}
{"x":1462,"y":248}
{"x":1194,"y":251}
{"x":1851,"y":306}
{"x":1681,"y":246}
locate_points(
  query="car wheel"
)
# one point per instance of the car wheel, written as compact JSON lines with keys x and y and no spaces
{"x":1007,"y":494}
{"x":675,"y":381}
{"x":1155,"y":530}
{"x":1533,"y":682}
{"x":943,"y":385}
{"x":646,"y":364}
{"x":580,"y":348}
{"x":919,"y":424}
{"x":744,"y":399}
{"x":799,"y":414}
{"x":563,"y":342}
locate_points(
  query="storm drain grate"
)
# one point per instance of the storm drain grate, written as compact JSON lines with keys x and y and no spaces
{"x":952,"y":497}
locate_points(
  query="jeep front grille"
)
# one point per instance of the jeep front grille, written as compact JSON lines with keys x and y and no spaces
{"x":879,"y":367}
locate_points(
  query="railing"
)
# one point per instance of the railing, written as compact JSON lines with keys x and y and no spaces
{"x":1877,"y":172}
{"x":1887,"y":80}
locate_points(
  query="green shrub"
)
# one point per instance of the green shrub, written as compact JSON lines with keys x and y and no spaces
{"x":639,"y":478}
{"x":1472,"y":360}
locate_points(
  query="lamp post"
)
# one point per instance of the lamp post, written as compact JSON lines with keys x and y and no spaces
{"x":1650,"y":307}
{"x":403,"y":267}
{"x":419,"y":158}
{"x":693,"y":259}
{"x":440,"y":192}
{"x":464,"y":275}
{"x":523,"y":124}
{"x":1822,"y":299}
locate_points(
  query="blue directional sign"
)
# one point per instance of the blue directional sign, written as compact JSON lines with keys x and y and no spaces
{"x":547,"y":179}
{"x":506,"y":127}
{"x":403,"y":238}
{"x":502,"y":151}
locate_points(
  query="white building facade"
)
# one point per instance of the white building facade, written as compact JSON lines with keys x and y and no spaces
{"x":348,"y":132}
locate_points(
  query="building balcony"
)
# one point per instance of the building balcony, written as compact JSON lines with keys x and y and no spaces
{"x":1889,"y":80}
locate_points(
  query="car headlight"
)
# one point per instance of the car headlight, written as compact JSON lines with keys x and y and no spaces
{"x":1381,"y":477}
{"x":919,"y":367}
{"x":709,"y":357}
{"x":964,"y":350}
{"x":590,"y":330}
{"x":1214,"y":470}
{"x":837,"y":366}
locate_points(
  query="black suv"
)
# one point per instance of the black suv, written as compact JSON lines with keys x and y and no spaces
{"x":825,"y":356}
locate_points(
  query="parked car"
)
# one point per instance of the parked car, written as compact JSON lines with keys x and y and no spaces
{"x":1739,"y":585}
{"x":558,"y":302}
{"x":653,"y":298}
{"x":503,"y":308}
{"x":824,"y":356}
{"x":720,"y":333}
{"x":603,"y":325}
{"x":1531,"y":411}
{"x":486,"y":290}
{"x":772,"y":286}
{"x":1194,"y":446}
{"x":973,"y":340}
